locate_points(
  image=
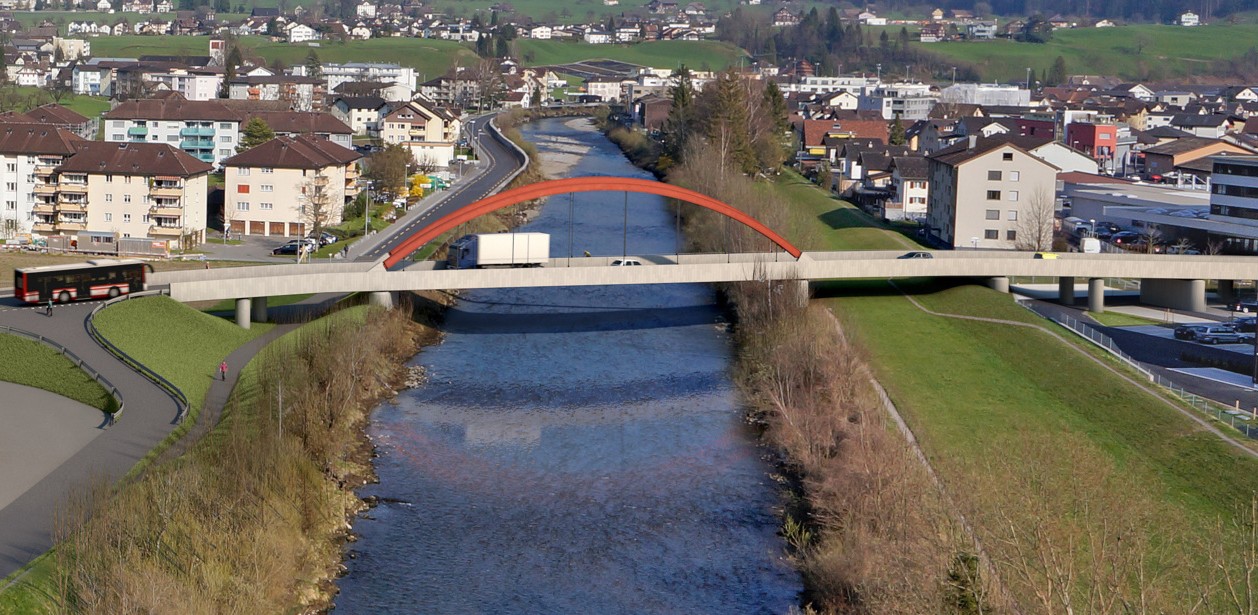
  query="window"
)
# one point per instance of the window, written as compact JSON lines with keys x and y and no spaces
{"x":153,"y":138}
{"x":10,"y":186}
{"x":224,"y":153}
{"x":109,"y":198}
{"x":1015,"y":176}
{"x":172,"y":138}
{"x":993,"y":214}
{"x":242,"y":189}
{"x":1007,"y":156}
{"x":153,"y":124}
{"x":126,"y":198}
{"x":242,"y":206}
{"x":12,"y":166}
{"x":126,"y":179}
{"x":993,"y":176}
{"x":1013,"y":195}
{"x":144,"y":218}
{"x":1012,"y":216}
{"x":109,"y":217}
{"x":267,"y":187}
{"x":266,"y":206}
{"x":1103,"y":137}
{"x":225,"y":125}
{"x":126,"y":218}
{"x":120,"y":124}
{"x":243,"y":171}
{"x":266,"y":170}
{"x":224,"y":139}
{"x":109,"y":178}
{"x":116,"y":137}
{"x":993,"y":195}
{"x":1011,"y":235}
{"x":991,"y":233}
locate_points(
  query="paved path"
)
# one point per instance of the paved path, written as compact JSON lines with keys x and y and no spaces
{"x":41,"y":431}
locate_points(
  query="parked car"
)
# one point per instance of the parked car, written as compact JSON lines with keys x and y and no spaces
{"x":1189,"y":331}
{"x":1246,"y":324}
{"x":626,"y":262}
{"x":916,"y":255}
{"x":295,"y":245}
{"x":1124,"y":238}
{"x":325,"y":238}
{"x":1221,"y":334}
{"x":1244,"y":306}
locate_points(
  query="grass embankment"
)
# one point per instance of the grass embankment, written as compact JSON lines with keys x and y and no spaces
{"x":1140,"y":52}
{"x":33,"y":364}
{"x":1072,"y":477}
{"x":1118,"y":319}
{"x":250,"y":520}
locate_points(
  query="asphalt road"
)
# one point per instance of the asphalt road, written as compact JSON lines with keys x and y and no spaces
{"x":497,"y":161}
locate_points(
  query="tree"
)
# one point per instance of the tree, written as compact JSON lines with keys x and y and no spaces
{"x":255,"y":133}
{"x":314,"y":68}
{"x":1057,"y":75}
{"x":1035,"y":222}
{"x":388,"y":168}
{"x":897,"y":135}
{"x":680,"y":123}
{"x":317,"y":206}
{"x":724,"y":120}
{"x":1036,"y":30}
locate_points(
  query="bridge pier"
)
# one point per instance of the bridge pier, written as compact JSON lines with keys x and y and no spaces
{"x":1096,"y":295}
{"x":1188,"y":295}
{"x":999,"y":284}
{"x":1066,"y":290}
{"x":1227,"y":291}
{"x":803,"y":292}
{"x":258,"y":311}
{"x":382,"y":298}
{"x":243,"y":312}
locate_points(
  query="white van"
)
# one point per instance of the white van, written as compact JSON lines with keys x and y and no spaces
{"x":1090,"y":245}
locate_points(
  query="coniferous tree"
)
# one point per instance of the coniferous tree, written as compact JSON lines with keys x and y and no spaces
{"x":680,"y":122}
{"x":314,"y":68}
{"x":255,"y":133}
{"x":897,"y":135}
{"x":1057,"y":75}
{"x":725,"y":123}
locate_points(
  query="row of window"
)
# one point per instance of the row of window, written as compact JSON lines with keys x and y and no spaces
{"x":1234,"y":212}
{"x":244,"y":188}
{"x":994,"y":214}
{"x":244,"y":206}
{"x":155,"y":124}
{"x":126,"y":218}
{"x":1243,"y":170}
{"x":994,"y":195}
{"x":243,"y":171}
{"x":1230,"y":190}
{"x":992,"y":233}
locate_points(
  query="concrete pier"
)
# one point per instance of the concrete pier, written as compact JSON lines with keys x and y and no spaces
{"x":1096,"y":295}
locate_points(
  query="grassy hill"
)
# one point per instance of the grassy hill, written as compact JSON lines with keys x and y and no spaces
{"x":1146,"y":52}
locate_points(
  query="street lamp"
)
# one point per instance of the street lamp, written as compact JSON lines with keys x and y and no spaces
{"x":367,"y":208}
{"x":954,"y":75}
{"x":879,"y":67}
{"x":1092,"y":221}
{"x":1028,"y":78}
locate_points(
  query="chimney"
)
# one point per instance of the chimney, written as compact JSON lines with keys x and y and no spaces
{"x":973,"y":139}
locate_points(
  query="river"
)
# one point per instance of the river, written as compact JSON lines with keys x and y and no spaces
{"x":576,"y":450}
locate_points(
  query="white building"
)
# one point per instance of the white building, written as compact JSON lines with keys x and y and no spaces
{"x":986,"y":94}
{"x":908,"y":101}
{"x":300,"y":33}
{"x":541,"y":33}
{"x":29,"y":154}
{"x":365,"y":10}
{"x":1189,"y":19}
{"x":336,"y":74}
{"x":283,"y":185}
{"x":824,"y":85}
{"x":207,"y":130}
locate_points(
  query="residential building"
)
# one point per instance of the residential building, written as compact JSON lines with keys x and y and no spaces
{"x":986,"y":94}
{"x":989,"y":193}
{"x":54,"y":115}
{"x":1096,"y":140}
{"x":29,"y":154}
{"x":282,"y":186}
{"x":910,"y":189}
{"x":301,"y":93}
{"x":207,"y":130}
{"x":428,"y":131}
{"x":1189,"y":19}
{"x":361,"y":113}
{"x":149,"y":190}
{"x":300,"y":33}
{"x":1166,"y":158}
{"x":318,"y":125}
{"x":908,"y":101}
{"x":336,"y":74}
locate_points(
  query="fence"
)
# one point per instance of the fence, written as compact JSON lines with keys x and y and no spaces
{"x":180,"y":399}
{"x":1225,"y":414}
{"x":78,"y":362}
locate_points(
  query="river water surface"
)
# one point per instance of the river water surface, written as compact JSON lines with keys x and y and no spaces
{"x":576,"y":450}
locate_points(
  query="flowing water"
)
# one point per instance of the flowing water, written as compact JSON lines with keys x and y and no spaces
{"x":576,"y":450}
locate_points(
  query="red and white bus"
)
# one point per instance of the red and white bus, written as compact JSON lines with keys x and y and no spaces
{"x":94,"y":279}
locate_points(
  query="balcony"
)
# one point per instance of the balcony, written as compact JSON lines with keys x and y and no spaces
{"x":165,"y":231}
{"x":320,"y":180}
{"x":138,"y":131}
{"x":44,"y":169}
{"x":44,"y":209}
{"x":46,"y":189}
{"x":167,"y":192}
{"x":64,"y":188}
{"x":196,"y":144}
{"x":43,"y":227}
{"x":164,"y":209}
{"x":72,"y":206}
{"x":417,"y":132}
{"x":72,"y":225}
{"x":198,"y":131}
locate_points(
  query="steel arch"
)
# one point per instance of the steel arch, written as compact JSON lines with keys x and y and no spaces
{"x":577,"y":184}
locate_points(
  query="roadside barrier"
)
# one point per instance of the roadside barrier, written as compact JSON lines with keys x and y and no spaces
{"x":1243,"y":422}
{"x":78,"y":362}
{"x":180,"y":399}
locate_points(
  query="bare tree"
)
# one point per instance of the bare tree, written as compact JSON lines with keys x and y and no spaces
{"x":1182,"y":245}
{"x":1151,"y":236}
{"x":1035,"y":222}
{"x":425,"y":164}
{"x":317,"y":206}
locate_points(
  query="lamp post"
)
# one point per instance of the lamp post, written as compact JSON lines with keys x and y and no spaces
{"x":1092,"y":222}
{"x":879,"y":67}
{"x":1028,"y":78}
{"x":954,"y":75}
{"x":367,"y":208}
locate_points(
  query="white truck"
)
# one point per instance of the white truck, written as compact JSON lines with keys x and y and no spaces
{"x":499,"y":250}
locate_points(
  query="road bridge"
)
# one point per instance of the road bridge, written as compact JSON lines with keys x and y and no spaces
{"x":1167,"y":280}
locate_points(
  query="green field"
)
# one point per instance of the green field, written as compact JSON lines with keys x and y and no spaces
{"x":430,"y":58}
{"x":33,"y":364}
{"x":1145,"y":52}
{"x":142,"y":328}
{"x":698,"y":55}
{"x":1022,"y":426}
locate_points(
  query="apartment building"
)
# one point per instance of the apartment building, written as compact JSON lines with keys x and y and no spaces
{"x":301,"y":93}
{"x":151,"y":190}
{"x":206,"y":130}
{"x":361,"y":113}
{"x":54,"y":115}
{"x":988,"y":193}
{"x":309,"y":123}
{"x":29,"y":154}
{"x":907,"y":101}
{"x":1234,"y":190}
{"x":429,"y":131}
{"x":279,"y":187}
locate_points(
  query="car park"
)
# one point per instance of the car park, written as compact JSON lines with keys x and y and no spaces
{"x":916,"y":255}
{"x":626,"y":262}
{"x":1189,"y":331}
{"x":1246,"y":307}
{"x":1246,"y":324}
{"x":1124,"y":238}
{"x":1221,"y":334}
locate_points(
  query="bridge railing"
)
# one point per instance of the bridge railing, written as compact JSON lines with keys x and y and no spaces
{"x":181,"y":400}
{"x":1244,"y":422}
{"x":78,"y":362}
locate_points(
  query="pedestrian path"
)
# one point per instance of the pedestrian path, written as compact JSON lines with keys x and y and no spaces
{"x":41,"y":431}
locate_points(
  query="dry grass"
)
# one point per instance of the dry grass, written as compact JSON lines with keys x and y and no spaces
{"x":250,"y":520}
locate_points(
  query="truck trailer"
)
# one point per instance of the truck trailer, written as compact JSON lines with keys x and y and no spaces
{"x":499,"y":250}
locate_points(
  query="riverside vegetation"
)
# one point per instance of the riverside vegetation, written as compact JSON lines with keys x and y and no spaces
{"x":252,"y":519}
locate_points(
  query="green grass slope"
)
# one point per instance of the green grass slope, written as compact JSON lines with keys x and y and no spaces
{"x":33,"y":364}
